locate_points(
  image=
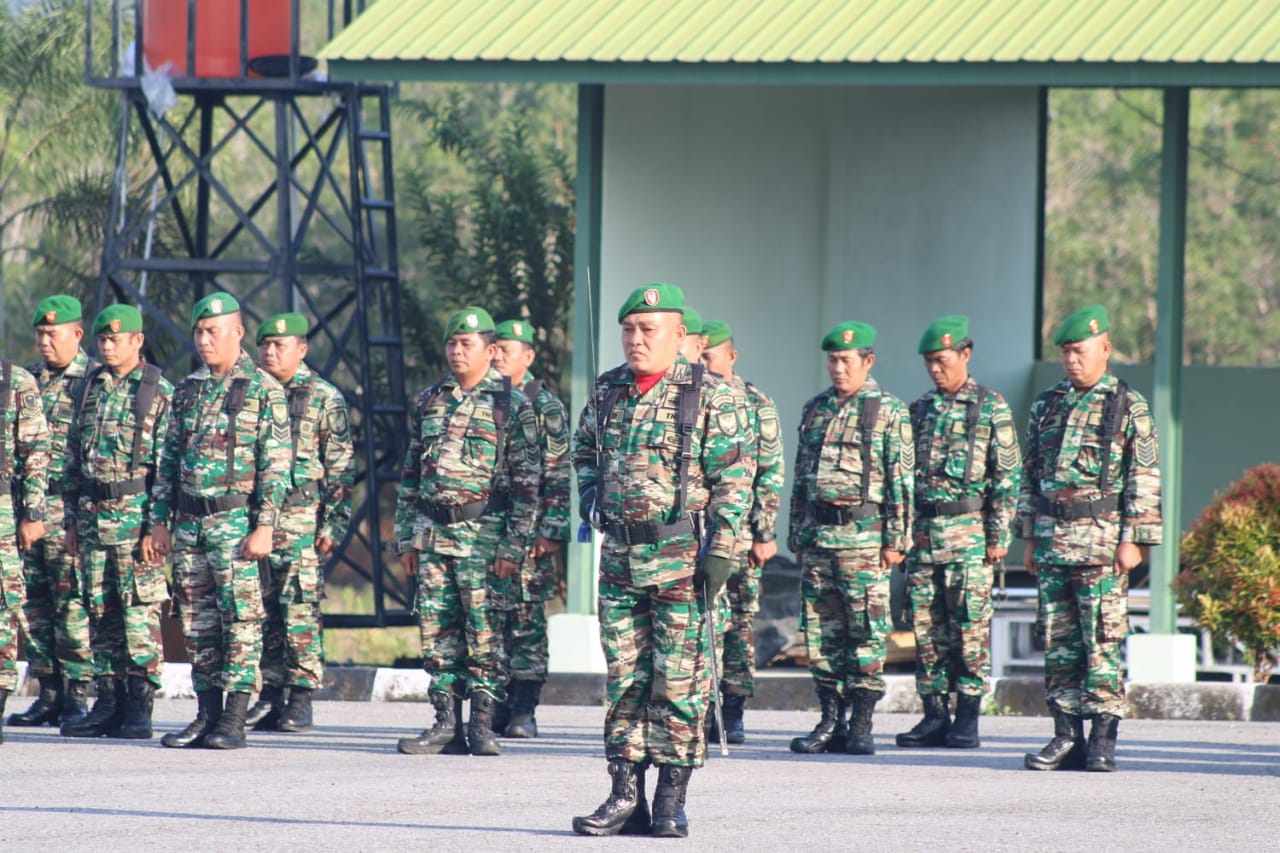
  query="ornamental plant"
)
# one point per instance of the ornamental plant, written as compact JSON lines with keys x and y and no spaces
{"x":1229,"y":578}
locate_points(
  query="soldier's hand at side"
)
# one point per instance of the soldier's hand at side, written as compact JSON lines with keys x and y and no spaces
{"x":324,"y":546}
{"x":542,"y":547}
{"x":70,"y":539}
{"x":1029,"y":556}
{"x":409,"y":559}
{"x":504,"y":568}
{"x":996,"y":555}
{"x":890,"y":558}
{"x":29,"y":533}
{"x":257,"y":544}
{"x":1128,"y":558}
{"x":761,"y":553}
{"x":161,"y":543}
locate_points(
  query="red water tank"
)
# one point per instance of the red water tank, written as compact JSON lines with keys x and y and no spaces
{"x":164,"y":34}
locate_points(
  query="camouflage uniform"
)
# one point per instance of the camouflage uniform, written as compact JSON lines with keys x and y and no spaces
{"x":57,"y":627}
{"x":318,"y":504}
{"x":217,"y":482}
{"x":1083,"y":493}
{"x":651,"y":616}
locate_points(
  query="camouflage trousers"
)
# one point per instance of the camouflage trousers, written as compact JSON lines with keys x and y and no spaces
{"x":124,"y":597}
{"x":951,"y":614}
{"x":461,"y":632}
{"x":57,"y":626}
{"x":292,"y":638}
{"x":844,"y":601}
{"x":658,"y":679}
{"x":736,"y":628}
{"x":524,"y":640}
{"x":12,"y":592}
{"x":1084,"y":614}
{"x":218,"y":597}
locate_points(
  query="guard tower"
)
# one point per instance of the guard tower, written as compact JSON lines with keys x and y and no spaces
{"x":239,"y":168}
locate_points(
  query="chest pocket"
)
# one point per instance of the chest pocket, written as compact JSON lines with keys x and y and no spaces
{"x":1089,"y":461}
{"x":849,"y":458}
{"x":664,"y":449}
{"x":480,"y":444}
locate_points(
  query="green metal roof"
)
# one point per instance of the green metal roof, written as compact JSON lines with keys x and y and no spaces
{"x":614,"y":39}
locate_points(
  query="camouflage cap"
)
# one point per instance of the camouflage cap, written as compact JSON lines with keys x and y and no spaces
{"x":515,"y":330}
{"x":692,"y":321}
{"x":56,"y":310}
{"x":1083,"y":324}
{"x":214,"y":305}
{"x":716,"y":332}
{"x":469,"y":319}
{"x":651,"y":298}
{"x":117,"y":318}
{"x":851,"y":335}
{"x":944,"y":333}
{"x":283,"y":324}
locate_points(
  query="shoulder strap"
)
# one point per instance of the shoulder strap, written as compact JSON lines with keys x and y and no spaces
{"x":533,"y":387}
{"x":6,"y":394}
{"x":232,"y":405}
{"x":428,"y":397}
{"x":501,"y":418}
{"x":1113,"y":412}
{"x":971,"y":415}
{"x":919,"y":410}
{"x":299,"y":401}
{"x":89,"y":379}
{"x":686,"y":421}
{"x":806,"y":417}
{"x":867,"y":418}
{"x":603,"y":412}
{"x":141,"y":405}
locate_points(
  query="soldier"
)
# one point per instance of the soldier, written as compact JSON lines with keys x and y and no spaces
{"x":317,"y":510}
{"x":1088,"y":510}
{"x":24,"y":463}
{"x":850,"y":525}
{"x":465,"y":520}
{"x":113,"y":451}
{"x":694,"y":340}
{"x":57,"y":626}
{"x":524,"y":636}
{"x":663,"y":474}
{"x":224,"y":473}
{"x":737,"y":676}
{"x":966,"y":491}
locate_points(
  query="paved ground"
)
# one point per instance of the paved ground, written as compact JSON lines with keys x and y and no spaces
{"x":1182,"y":786}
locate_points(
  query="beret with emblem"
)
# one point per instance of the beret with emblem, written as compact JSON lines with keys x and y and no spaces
{"x":56,"y":310}
{"x":1084,"y":324}
{"x":693,"y":321}
{"x":283,"y":324}
{"x":117,"y":318}
{"x":469,"y":319}
{"x":944,"y":333}
{"x":716,"y":332}
{"x":851,"y":335}
{"x":515,"y":330}
{"x":214,"y":305}
{"x":658,"y":296}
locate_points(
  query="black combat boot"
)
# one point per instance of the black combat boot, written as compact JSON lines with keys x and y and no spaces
{"x":623,"y":802}
{"x":480,"y":739}
{"x":1067,"y":749}
{"x":524,"y":704}
{"x":824,"y":733}
{"x":297,"y":715}
{"x":4,"y":697}
{"x":734,"y":704}
{"x":640,"y":821}
{"x":1101,"y":754}
{"x":669,"y":820}
{"x":139,"y":700}
{"x":862,"y":704}
{"x":47,"y":707}
{"x":445,"y":737}
{"x":502,"y":711}
{"x":964,"y":731}
{"x":208,"y":713}
{"x":75,"y":703}
{"x":229,"y":732}
{"x":264,"y":716}
{"x":932,"y":730}
{"x":107,"y":713}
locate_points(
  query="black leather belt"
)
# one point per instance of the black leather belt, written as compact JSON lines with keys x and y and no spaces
{"x":192,"y":505}
{"x":830,"y":514}
{"x":943,"y":508}
{"x":1075,"y":510}
{"x":455,"y":513}
{"x":646,"y":532}
{"x":96,"y":490}
{"x":304,"y":495}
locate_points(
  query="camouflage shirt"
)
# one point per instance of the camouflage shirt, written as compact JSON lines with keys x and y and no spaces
{"x":771,"y":466}
{"x":1065,"y":464}
{"x":452,"y":460}
{"x":60,"y":391}
{"x":100,"y":448}
{"x":24,"y":445}
{"x":635,"y":469}
{"x":553,"y":435}
{"x":322,"y":450}
{"x":205,"y":455}
{"x":966,"y":450}
{"x":832,"y":464}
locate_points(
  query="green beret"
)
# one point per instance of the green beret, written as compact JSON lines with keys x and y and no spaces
{"x":283,"y":324}
{"x":851,"y":335}
{"x":515,"y":330}
{"x":692,"y":321}
{"x":117,"y":318}
{"x":214,"y":305}
{"x":653,"y":297}
{"x":944,"y":333}
{"x":1083,"y":324}
{"x":716,"y":332}
{"x":56,"y":310}
{"x":470,"y":319}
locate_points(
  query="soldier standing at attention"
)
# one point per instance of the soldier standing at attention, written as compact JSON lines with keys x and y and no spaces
{"x":525,"y":624}
{"x":112,"y":455}
{"x":57,"y":625}
{"x":465,"y":520}
{"x":24,"y":465}
{"x":850,"y":525}
{"x":1088,"y":508}
{"x":224,"y":472}
{"x":737,"y":676}
{"x":966,"y":490}
{"x":663,"y":473}
{"x":317,"y":510}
